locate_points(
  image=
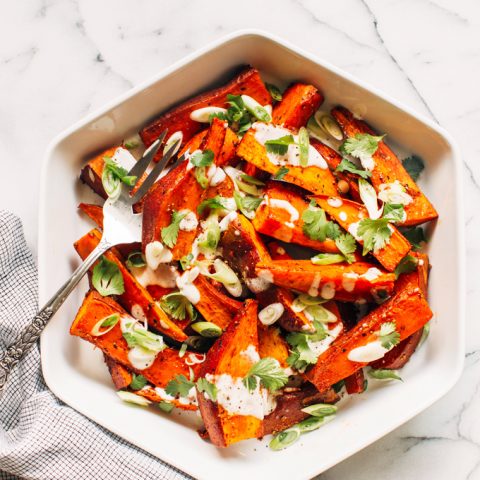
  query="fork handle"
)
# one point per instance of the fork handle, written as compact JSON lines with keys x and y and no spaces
{"x":32,"y":331}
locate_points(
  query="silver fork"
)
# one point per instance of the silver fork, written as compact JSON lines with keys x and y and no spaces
{"x":120,"y":225}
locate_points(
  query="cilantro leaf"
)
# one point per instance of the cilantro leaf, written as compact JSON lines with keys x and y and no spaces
{"x":362,"y":146}
{"x":274,"y":92}
{"x":279,"y":145}
{"x":177,"y":306}
{"x":204,"y":386}
{"x":394,"y":212}
{"x":301,"y":355}
{"x":138,"y":382}
{"x":415,"y":235}
{"x":179,"y":386}
{"x":408,"y":264}
{"x":202,"y":159}
{"x":107,"y":278}
{"x":348,"y":166}
{"x":347,"y":246}
{"x":414,"y":166}
{"x":316,"y":226}
{"x":246,"y":203}
{"x":271,"y":375}
{"x":170,"y":233}
{"x":388,"y":335}
{"x":210,"y":236}
{"x":375,"y":234}
{"x":281,"y":172}
{"x":215,"y":203}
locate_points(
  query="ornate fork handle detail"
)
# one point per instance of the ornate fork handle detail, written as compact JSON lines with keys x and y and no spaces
{"x":31,"y":333}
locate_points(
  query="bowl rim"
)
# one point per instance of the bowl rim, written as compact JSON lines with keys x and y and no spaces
{"x":262,"y":35}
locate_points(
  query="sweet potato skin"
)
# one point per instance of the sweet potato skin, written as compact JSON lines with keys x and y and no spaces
{"x":276,"y":222}
{"x":389,"y":256}
{"x":408,"y":309}
{"x":388,"y":168}
{"x":225,"y":357}
{"x":299,"y":103}
{"x":314,"y":179}
{"x":248,"y":82}
{"x":243,"y":249}
{"x":355,"y":383}
{"x":135,"y":294}
{"x":289,"y":407}
{"x":303,"y":276}
{"x":95,"y":307}
{"x":121,"y":376}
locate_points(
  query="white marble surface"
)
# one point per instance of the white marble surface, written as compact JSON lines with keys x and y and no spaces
{"x":60,"y":59}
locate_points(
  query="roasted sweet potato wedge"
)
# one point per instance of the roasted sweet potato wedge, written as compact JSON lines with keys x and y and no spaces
{"x":288,"y":411}
{"x":135,"y":294}
{"x":95,"y":307}
{"x":333,"y":160}
{"x":407,"y":308}
{"x":243,"y":249}
{"x":347,"y":213}
{"x":94,"y":212}
{"x":248,"y":82}
{"x":299,"y":103}
{"x":178,"y":190}
{"x":226,"y":357}
{"x":121,"y":376}
{"x":312,"y":178}
{"x":91,"y":173}
{"x":277,"y":252}
{"x":388,"y":169}
{"x":215,"y":306}
{"x":342,"y":282}
{"x":272,"y":344}
{"x":290,"y":320}
{"x":280,"y":217}
{"x":157,"y":395}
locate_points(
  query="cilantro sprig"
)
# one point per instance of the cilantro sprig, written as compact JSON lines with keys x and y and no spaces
{"x":170,"y":233}
{"x":270,"y":374}
{"x":361,"y":146}
{"x":178,"y":306}
{"x":388,"y":335}
{"x":301,"y":355}
{"x":180,"y":386}
{"x":316,"y":226}
{"x":375,"y":234}
{"x":414,"y":166}
{"x":279,"y":145}
{"x":280,"y":173}
{"x":347,"y":166}
{"x":202,"y":160}
{"x":107,"y":278}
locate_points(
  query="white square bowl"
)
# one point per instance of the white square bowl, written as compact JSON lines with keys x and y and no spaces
{"x":75,"y":372}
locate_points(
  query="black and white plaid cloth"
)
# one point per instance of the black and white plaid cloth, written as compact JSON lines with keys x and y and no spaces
{"x":41,"y":437}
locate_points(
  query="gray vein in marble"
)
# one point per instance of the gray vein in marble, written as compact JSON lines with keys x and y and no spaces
{"x":395,"y":61}
{"x":321,"y":22}
{"x":447,"y":11}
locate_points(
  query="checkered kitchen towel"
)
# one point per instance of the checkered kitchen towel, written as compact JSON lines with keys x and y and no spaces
{"x":40,"y":437}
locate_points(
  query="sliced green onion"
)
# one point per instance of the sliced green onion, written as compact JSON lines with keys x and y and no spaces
{"x":303,"y":146}
{"x":384,"y":374}
{"x":136,"y":259}
{"x":137,"y":336}
{"x":327,"y":259}
{"x":274,"y":91}
{"x":165,"y":406}
{"x":133,"y":398}
{"x":252,"y":180}
{"x":312,"y":423}
{"x":183,"y":349}
{"x":320,"y":410}
{"x":111,"y":184}
{"x":425,"y":334}
{"x":207,"y":329}
{"x":321,"y":314}
{"x":315,"y":130}
{"x":256,"y":109}
{"x":107,"y":323}
{"x":284,"y":439}
{"x":329,"y":125}
{"x":369,"y":198}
